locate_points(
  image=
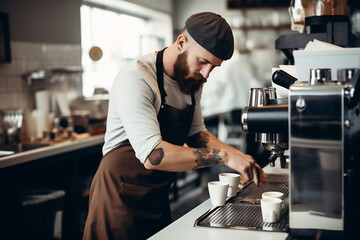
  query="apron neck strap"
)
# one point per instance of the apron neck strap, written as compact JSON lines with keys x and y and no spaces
{"x":193,"y":100}
{"x":160,"y":75}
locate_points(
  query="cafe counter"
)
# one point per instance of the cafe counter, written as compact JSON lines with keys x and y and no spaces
{"x":50,"y":150}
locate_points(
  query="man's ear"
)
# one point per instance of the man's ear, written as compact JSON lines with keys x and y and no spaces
{"x":181,"y":41}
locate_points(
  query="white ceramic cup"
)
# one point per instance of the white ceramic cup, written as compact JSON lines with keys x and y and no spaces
{"x":278,"y":195}
{"x":217,"y":192}
{"x":233,"y":180}
{"x":270,"y":209}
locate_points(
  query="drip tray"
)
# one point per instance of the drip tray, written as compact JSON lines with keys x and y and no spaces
{"x":244,"y":212}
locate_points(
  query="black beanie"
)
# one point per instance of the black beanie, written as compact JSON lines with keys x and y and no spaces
{"x":212,"y":32}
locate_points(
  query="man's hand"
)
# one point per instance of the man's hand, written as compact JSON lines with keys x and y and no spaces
{"x":246,"y":166}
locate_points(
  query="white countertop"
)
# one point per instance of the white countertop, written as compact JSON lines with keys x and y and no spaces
{"x":183,"y":228}
{"x":51,"y":150}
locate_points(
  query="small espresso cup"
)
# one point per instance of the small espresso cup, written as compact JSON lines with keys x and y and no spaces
{"x":270,"y":209}
{"x":233,"y":180}
{"x":274,"y":194}
{"x":217,"y":192}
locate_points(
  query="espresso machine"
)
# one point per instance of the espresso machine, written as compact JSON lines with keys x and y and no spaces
{"x":316,"y":129}
{"x":321,"y":124}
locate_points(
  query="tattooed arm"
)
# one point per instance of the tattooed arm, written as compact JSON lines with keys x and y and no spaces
{"x":169,"y":157}
{"x":204,"y":150}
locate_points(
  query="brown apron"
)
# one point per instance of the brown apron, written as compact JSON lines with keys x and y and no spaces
{"x":128,"y":201}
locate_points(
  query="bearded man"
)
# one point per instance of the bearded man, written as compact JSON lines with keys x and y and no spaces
{"x":154,"y":109}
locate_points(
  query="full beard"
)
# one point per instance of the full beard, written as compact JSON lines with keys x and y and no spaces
{"x":188,"y":83}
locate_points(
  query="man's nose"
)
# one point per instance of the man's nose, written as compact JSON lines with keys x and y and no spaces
{"x":205,"y":71}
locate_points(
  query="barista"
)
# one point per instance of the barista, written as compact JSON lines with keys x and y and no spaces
{"x":153,"y":111}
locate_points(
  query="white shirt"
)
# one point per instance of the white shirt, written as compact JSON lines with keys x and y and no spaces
{"x":134,"y":103}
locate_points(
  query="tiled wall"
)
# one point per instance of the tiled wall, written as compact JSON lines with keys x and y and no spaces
{"x":27,"y":57}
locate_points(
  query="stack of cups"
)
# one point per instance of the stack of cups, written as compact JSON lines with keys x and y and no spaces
{"x":227,"y":186}
{"x":272,"y":204}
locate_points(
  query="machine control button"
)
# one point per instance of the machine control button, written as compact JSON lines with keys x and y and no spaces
{"x":347,"y":123}
{"x":347,"y":173}
{"x":300,"y":104}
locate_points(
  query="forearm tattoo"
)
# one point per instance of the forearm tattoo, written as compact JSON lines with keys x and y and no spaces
{"x":199,"y":140}
{"x":156,"y":156}
{"x":206,"y":157}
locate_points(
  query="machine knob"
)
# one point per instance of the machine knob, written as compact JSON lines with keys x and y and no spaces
{"x":347,"y":74}
{"x":300,"y":104}
{"x":320,"y":76}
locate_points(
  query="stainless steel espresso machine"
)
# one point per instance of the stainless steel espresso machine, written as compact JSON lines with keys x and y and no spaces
{"x":320,"y":122}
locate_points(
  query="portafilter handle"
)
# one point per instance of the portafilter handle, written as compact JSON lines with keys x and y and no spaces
{"x":283,"y":79}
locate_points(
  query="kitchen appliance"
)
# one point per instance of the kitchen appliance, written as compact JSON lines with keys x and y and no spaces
{"x":322,"y":117}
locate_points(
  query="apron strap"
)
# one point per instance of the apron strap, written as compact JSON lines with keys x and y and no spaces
{"x":160,"y":75}
{"x":193,"y":102}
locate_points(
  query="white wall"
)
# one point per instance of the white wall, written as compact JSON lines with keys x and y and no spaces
{"x":43,"y":20}
{"x":44,"y":34}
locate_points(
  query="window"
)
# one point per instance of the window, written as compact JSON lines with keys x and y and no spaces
{"x":118,"y":38}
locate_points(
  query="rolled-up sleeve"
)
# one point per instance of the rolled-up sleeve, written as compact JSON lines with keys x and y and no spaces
{"x":134,"y":100}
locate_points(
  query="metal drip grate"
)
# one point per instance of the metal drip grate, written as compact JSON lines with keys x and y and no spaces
{"x":273,"y":183}
{"x":240,"y":214}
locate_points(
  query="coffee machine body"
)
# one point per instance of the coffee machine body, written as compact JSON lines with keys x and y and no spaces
{"x":317,"y":159}
{"x":322,"y":120}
